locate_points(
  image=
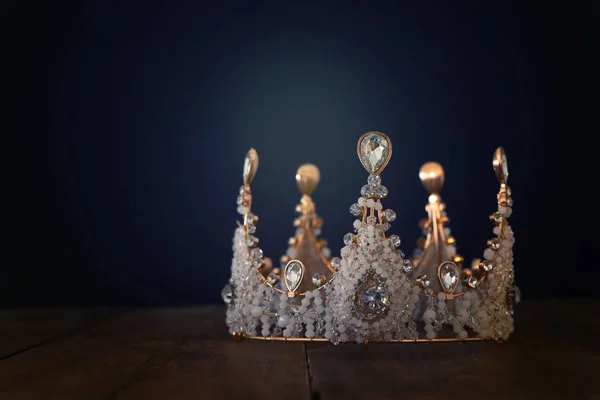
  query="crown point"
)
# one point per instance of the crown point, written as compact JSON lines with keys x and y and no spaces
{"x":250,"y":166}
{"x":432,"y":177}
{"x":374,"y":151}
{"x":500,"y":165}
{"x":308,"y":177}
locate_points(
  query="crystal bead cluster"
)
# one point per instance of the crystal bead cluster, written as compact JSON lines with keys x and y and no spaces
{"x":371,"y":291}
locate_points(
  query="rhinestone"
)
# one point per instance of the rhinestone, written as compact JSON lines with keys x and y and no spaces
{"x":374,"y":180}
{"x":348,"y":238}
{"x":240,"y":200}
{"x":371,"y":220}
{"x":318,"y":279}
{"x":424,"y":280}
{"x":251,"y":228}
{"x":407,"y":265}
{"x":293,"y":275}
{"x":272,"y":278}
{"x":448,"y":277}
{"x":356,"y":210}
{"x":486,"y":265}
{"x":496,"y":218}
{"x":335,"y":263}
{"x":380,"y":191}
{"x":227,"y":293}
{"x":257,"y":255}
{"x":366,"y":191}
{"x":374,"y":151}
{"x":376,"y":298}
{"x":390,"y":215}
{"x":471,"y":281}
{"x":385,"y":226}
{"x":395,"y":240}
{"x":494,"y":244}
{"x":251,"y":241}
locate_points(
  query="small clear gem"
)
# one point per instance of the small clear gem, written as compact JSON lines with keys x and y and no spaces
{"x":395,"y":240}
{"x":407,"y":265}
{"x":348,"y":238}
{"x":366,"y":191}
{"x":494,"y":244}
{"x":371,"y":220}
{"x":318,"y":279}
{"x":293,"y":275}
{"x":385,"y":226}
{"x":449,"y":277}
{"x":486,"y":265}
{"x":471,"y":281}
{"x":374,"y":180}
{"x":496,"y":218}
{"x":374,"y":152}
{"x":424,"y":279}
{"x":240,"y":200}
{"x":272,"y":278}
{"x":257,"y":255}
{"x":227,"y":293}
{"x":356,"y":210}
{"x":376,"y":298}
{"x":251,"y":241}
{"x":335,"y":263}
{"x":380,"y":191}
{"x":390,"y":215}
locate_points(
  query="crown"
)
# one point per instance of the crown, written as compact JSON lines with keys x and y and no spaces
{"x":372,"y":292}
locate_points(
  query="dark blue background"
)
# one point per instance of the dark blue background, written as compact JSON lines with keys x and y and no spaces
{"x":133,"y":118}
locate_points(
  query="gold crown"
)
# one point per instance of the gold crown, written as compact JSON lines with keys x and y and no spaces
{"x":372,"y":292}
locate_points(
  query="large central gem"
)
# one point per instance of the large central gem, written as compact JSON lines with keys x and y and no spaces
{"x":375,"y":298}
{"x":374,"y":152}
{"x":371,"y":299}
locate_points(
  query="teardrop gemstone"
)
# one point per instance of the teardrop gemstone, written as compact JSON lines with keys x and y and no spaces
{"x":448,"y":277}
{"x":374,"y":151}
{"x":294,"y":272}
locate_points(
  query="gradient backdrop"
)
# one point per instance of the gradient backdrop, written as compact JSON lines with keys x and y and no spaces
{"x":133,"y":119}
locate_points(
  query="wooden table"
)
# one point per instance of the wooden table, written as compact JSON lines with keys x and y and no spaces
{"x":185,"y":353}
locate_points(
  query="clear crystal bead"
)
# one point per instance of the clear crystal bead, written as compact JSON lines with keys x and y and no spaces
{"x":407,"y":265}
{"x":318,"y":279}
{"x":240,"y":200}
{"x":424,"y":279}
{"x":390,"y":215}
{"x":250,"y":241}
{"x":374,"y":151}
{"x":335,"y":263}
{"x":348,"y":238}
{"x":449,"y":277}
{"x":395,"y":240}
{"x":366,"y":191}
{"x":385,"y":226}
{"x":356,"y":210}
{"x":293,"y":275}
{"x":227,"y":293}
{"x":272,"y":278}
{"x":374,"y":180}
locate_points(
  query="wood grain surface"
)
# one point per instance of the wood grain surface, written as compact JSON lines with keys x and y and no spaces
{"x":185,"y":353}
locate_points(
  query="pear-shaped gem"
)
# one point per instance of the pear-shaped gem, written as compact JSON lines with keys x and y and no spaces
{"x":294,"y":272}
{"x":448,"y":277}
{"x":374,"y":151}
